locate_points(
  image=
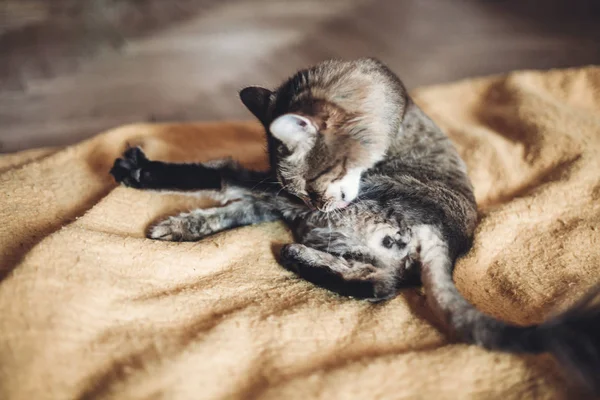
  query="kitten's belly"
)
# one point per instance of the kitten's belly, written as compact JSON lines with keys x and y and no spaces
{"x":357,"y":228}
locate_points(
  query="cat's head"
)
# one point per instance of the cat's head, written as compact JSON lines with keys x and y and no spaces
{"x":324,"y":130}
{"x":312,"y":157}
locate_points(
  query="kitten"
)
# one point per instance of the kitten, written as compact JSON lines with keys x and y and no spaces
{"x":376,"y":196}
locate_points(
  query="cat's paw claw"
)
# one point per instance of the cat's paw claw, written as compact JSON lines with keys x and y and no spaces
{"x":186,"y":227}
{"x":127,"y":170}
{"x":172,"y":229}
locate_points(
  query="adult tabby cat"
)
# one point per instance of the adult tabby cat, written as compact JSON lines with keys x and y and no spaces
{"x":376,"y":195}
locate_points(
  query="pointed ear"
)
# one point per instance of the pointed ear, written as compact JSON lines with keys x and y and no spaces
{"x":293,"y":130}
{"x":256,"y":99}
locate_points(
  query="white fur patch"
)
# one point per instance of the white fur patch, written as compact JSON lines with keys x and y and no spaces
{"x":389,"y":257}
{"x":296,"y":132}
{"x":349,"y":185}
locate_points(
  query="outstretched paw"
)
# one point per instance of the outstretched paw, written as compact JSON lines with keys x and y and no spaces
{"x":172,"y":229}
{"x":129,"y":168}
{"x":187,"y":227}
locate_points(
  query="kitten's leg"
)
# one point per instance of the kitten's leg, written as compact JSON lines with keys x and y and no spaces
{"x":199,"y":223}
{"x":135,"y":170}
{"x":346,"y":277}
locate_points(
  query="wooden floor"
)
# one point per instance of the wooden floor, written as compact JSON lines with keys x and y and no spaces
{"x":58,"y":87}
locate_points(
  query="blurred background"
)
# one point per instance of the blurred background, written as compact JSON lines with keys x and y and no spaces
{"x":72,"y":68}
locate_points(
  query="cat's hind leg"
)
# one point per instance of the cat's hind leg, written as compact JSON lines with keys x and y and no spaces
{"x":347,"y":277}
{"x":197,"y":224}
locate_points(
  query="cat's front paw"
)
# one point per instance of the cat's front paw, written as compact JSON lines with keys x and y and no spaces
{"x":187,"y":227}
{"x":129,"y":168}
{"x":172,"y":229}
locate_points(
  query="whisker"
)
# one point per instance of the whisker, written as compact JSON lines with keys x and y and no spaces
{"x":330,"y":232}
{"x":361,"y":201}
{"x":338,"y":213}
{"x":254,"y":187}
{"x":282,"y":188}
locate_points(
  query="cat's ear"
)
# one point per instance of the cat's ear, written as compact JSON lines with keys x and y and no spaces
{"x":293,"y":130}
{"x":256,"y":99}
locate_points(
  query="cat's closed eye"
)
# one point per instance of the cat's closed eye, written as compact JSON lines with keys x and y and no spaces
{"x":321,"y":174}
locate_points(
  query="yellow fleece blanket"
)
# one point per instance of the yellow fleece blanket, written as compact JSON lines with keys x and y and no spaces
{"x":91,"y":309}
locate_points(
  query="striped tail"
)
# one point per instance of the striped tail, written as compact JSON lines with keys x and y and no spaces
{"x":572,"y":337}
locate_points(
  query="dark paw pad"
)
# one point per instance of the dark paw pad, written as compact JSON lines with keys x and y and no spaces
{"x":382,"y":290}
{"x":128,"y":169}
{"x":289,"y":256}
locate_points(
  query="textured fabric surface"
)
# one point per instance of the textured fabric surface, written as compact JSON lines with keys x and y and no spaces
{"x":90,"y":308}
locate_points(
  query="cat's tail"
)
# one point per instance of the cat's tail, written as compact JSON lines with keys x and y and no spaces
{"x":572,"y":337}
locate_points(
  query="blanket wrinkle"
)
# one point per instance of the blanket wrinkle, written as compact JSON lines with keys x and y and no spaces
{"x":92,"y":309}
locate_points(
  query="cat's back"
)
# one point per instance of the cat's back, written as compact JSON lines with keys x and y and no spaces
{"x":424,"y":176}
